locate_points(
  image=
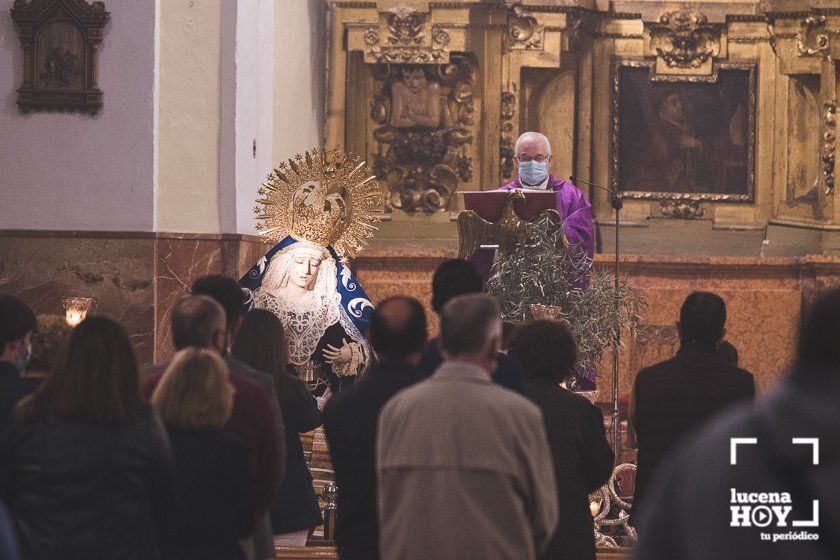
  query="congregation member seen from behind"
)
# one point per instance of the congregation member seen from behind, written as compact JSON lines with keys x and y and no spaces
{"x":86,"y":468}
{"x":261,"y":343}
{"x":199,"y":322}
{"x":675,"y":397}
{"x":464,"y":467}
{"x":16,"y":325}
{"x":583,"y":458}
{"x":397,"y":335}
{"x":227,"y":293}
{"x":718,"y":499}
{"x":457,"y":277}
{"x":214,"y":482}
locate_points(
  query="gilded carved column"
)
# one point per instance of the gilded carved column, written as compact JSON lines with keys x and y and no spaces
{"x":806,"y":50}
{"x":337,"y":69}
{"x":488,"y":49}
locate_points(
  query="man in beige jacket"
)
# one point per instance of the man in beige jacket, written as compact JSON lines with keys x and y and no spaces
{"x":464,"y":468}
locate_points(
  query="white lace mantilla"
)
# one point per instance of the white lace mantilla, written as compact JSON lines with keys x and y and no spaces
{"x":305,"y":319}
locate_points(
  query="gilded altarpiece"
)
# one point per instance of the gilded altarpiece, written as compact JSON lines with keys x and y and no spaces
{"x":424,"y":122}
{"x":806,"y":45}
{"x":435,"y":93}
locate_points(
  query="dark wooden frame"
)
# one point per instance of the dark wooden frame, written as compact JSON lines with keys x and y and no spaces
{"x":89,"y":18}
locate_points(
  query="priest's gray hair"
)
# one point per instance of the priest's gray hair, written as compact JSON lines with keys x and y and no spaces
{"x":469,"y":323}
{"x":532,"y":136}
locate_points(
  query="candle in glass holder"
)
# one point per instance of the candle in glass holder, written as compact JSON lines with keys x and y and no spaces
{"x":76,"y":309}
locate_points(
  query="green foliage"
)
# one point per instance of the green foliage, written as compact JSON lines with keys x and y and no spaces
{"x":543,"y":272}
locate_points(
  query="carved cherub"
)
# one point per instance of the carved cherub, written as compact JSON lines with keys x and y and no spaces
{"x":416,"y":100}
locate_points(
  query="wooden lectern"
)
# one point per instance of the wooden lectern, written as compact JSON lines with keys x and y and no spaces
{"x":502,"y":219}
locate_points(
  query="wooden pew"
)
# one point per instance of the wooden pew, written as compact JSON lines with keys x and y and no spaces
{"x":329,"y":553}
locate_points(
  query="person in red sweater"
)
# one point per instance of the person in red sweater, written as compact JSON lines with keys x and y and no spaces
{"x":199,"y":321}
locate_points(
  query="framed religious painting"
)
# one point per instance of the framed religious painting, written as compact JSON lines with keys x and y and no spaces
{"x":59,"y":39}
{"x":684,"y":137}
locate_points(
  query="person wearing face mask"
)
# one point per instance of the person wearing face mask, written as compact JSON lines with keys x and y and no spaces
{"x":532,"y":154}
{"x":18,"y":322}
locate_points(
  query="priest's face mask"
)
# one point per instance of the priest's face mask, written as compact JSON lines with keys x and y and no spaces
{"x":303,"y":270}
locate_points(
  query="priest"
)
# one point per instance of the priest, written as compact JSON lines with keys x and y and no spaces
{"x":532,"y":155}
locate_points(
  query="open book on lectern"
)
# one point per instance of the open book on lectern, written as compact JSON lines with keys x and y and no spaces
{"x":493,"y":218}
{"x":489,"y":204}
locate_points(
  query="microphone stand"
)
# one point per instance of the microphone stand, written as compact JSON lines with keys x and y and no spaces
{"x":617,"y":205}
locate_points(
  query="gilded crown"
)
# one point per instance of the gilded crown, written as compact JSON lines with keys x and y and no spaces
{"x":324,"y":198}
{"x":317,"y":217}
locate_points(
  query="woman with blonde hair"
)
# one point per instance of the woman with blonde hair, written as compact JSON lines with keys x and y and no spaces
{"x":214,"y":482}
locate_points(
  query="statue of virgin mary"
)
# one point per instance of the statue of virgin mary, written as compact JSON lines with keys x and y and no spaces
{"x":321,"y":208}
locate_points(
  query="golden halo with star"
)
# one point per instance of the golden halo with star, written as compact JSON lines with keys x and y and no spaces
{"x":323,"y":197}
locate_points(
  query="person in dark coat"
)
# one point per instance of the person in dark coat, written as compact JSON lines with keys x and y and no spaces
{"x":699,"y":508}
{"x":260,"y":343}
{"x":16,"y":328}
{"x":457,"y":277}
{"x":214,"y":480}
{"x":199,"y":321}
{"x":227,"y":293}
{"x":398,"y":334}
{"x":583,"y":458}
{"x":674,"y":397}
{"x":86,"y":469}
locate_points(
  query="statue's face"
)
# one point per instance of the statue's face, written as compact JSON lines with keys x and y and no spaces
{"x":415,"y":80}
{"x":304,"y":268}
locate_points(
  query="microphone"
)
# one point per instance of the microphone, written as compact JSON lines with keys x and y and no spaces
{"x":616,"y":200}
{"x":617,"y":204}
{"x":575,"y":179}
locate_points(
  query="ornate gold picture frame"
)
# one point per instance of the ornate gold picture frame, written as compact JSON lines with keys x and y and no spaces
{"x":683,"y":137}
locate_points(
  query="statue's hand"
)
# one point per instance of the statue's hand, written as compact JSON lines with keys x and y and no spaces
{"x":333,"y":355}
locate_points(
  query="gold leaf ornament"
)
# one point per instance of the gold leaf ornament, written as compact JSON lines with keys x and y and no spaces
{"x":323,"y":197}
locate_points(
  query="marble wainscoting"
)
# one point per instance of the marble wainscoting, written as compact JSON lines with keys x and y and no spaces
{"x":135,"y":278}
{"x":764,"y":298}
{"x":386,"y":273}
{"x":114,"y":268}
{"x":180,"y":259}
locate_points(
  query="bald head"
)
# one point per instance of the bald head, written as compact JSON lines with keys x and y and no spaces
{"x":198,"y":321}
{"x":532,"y":144}
{"x":398,"y":328}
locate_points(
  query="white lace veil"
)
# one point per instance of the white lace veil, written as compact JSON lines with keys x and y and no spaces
{"x":306,"y":318}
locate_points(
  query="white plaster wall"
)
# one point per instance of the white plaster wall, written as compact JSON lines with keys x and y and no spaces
{"x":189,"y":86}
{"x":61,"y":171}
{"x":299,"y":76}
{"x":247,"y":145}
{"x":189,"y":138}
